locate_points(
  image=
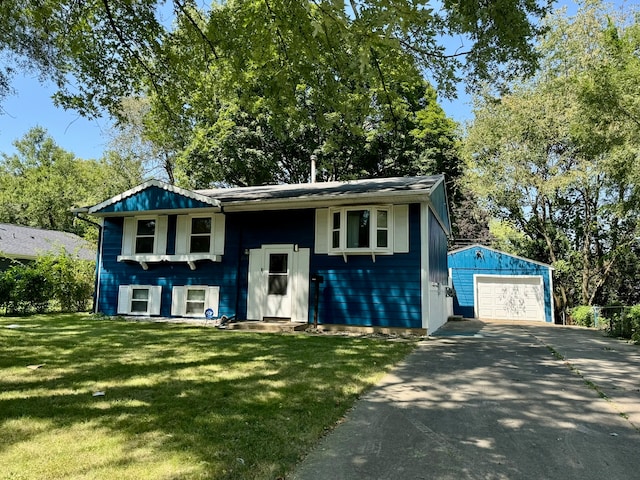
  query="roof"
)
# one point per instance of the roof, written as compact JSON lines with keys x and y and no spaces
{"x":477,"y":245}
{"x":287,"y":197}
{"x":322,"y":192}
{"x":27,"y":242}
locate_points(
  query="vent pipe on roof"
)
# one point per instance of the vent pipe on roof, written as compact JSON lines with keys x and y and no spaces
{"x":314,"y":158}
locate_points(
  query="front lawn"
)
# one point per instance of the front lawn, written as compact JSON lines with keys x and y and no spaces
{"x":180,"y":401}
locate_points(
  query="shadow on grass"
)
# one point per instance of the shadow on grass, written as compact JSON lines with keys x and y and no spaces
{"x":220,"y":404}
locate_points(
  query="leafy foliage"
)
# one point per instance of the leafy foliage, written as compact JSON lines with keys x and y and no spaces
{"x":42,"y":182}
{"x":60,"y":282}
{"x":544,"y":159}
{"x":245,"y":91}
{"x":583,"y":315}
{"x":115,"y":49}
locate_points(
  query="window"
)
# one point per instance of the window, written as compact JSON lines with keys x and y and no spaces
{"x":364,"y":229}
{"x":139,"y":299}
{"x":382,"y":229}
{"x":278,"y":274}
{"x":335,"y":232}
{"x":200,"y":235}
{"x":145,"y":236}
{"x":194,"y":300}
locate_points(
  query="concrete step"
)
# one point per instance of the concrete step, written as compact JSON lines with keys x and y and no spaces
{"x":268,"y":326}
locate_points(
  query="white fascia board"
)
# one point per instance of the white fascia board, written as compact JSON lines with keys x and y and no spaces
{"x":154,"y":183}
{"x":156,"y":213}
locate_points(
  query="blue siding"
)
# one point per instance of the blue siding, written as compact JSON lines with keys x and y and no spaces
{"x":254,"y":229}
{"x":359,"y":292}
{"x":113,"y":273}
{"x":383,"y":293}
{"x":439,"y":201}
{"x":153,"y":198}
{"x":479,"y":260}
{"x":438,"y":270}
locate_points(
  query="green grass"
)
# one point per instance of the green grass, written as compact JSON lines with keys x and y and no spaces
{"x":181,"y":401}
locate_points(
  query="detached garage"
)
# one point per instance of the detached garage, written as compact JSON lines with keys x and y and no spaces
{"x":490,"y":284}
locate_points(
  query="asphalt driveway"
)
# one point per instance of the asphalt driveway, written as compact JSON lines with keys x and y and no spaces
{"x":495,"y":401}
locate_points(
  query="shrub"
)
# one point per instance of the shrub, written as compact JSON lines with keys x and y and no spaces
{"x":633,"y":317}
{"x":583,"y":315}
{"x":62,"y":282}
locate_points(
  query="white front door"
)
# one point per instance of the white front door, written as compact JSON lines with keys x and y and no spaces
{"x":278,"y":283}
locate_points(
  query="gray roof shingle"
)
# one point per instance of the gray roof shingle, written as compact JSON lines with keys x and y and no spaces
{"x":324,"y":190}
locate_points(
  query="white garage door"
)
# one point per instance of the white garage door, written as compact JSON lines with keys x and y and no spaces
{"x":509,"y":297}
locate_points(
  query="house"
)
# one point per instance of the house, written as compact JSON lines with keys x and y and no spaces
{"x":25,"y":244}
{"x":490,"y":284}
{"x":376,"y":250}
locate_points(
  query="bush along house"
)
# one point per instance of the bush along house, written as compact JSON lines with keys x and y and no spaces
{"x":375,"y":251}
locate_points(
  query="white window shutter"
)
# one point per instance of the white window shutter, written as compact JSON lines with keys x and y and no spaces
{"x":300,"y":307}
{"x":124,"y":293}
{"x":257,"y":285}
{"x":128,"y":235}
{"x":178,"y":301}
{"x":183,"y":229}
{"x":322,"y":231}
{"x":218,"y":223}
{"x":212,"y":300}
{"x":155,"y":294}
{"x":161,"y":235}
{"x":401,"y":228}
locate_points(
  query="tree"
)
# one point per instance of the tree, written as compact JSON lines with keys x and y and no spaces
{"x":229,"y":145}
{"x":130,"y":139}
{"x":543,"y":159}
{"x":41,"y":182}
{"x":100,"y":51}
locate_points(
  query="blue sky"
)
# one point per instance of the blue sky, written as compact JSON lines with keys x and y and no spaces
{"x":31,"y":105}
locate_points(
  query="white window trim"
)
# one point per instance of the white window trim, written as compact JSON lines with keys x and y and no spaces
{"x":184,"y":225}
{"x":179,"y":300}
{"x":125,"y":298}
{"x":373,"y":249}
{"x":130,"y":234}
{"x":183,"y":236}
{"x":156,"y":231}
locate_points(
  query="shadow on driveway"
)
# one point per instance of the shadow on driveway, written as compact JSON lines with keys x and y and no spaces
{"x":495,"y":400}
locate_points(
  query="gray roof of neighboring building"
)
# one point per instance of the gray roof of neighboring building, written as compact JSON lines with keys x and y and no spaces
{"x":27,"y":242}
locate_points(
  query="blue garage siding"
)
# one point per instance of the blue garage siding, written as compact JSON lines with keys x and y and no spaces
{"x":465,"y":263}
{"x":384,"y":293}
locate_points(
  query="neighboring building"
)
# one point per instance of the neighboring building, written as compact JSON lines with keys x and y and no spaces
{"x":490,"y":284}
{"x":25,"y":244}
{"x":380,"y":247}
